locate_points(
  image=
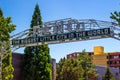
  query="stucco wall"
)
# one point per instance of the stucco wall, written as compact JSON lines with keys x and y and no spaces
{"x":17,"y":64}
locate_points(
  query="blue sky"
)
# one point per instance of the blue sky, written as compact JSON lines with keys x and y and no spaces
{"x":21,"y":12}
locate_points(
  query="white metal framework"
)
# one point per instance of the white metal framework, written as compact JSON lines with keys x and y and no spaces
{"x":64,"y":26}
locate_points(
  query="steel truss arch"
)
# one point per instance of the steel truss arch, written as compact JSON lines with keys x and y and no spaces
{"x":67,"y":25}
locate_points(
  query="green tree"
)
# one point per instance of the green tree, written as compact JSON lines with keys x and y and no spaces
{"x":81,"y":68}
{"x":70,"y":70}
{"x":28,"y":64}
{"x":37,"y":61}
{"x":116,"y":16}
{"x":108,"y":75}
{"x":59,"y":69}
{"x":43,"y":64}
{"x":6,"y":27}
{"x":86,"y":63}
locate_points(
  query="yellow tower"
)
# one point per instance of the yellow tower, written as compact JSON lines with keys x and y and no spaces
{"x":98,"y":50}
{"x":99,"y":57}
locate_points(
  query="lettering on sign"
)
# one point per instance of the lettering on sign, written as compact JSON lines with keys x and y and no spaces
{"x":65,"y":36}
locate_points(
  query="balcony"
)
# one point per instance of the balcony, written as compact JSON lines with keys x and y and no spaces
{"x":115,"y":59}
{"x":115,"y":65}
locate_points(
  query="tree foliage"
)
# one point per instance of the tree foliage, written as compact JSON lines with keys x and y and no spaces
{"x":86,"y":62}
{"x":59,"y":69}
{"x":7,"y":72}
{"x":37,"y":61}
{"x":36,"y":18}
{"x":28,"y":64}
{"x":70,"y":70}
{"x":6,"y":27}
{"x":76,"y":69}
{"x":108,"y":75}
{"x":43,"y":64}
{"x":116,"y":16}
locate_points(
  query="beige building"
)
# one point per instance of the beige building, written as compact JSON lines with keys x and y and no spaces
{"x":99,"y":58}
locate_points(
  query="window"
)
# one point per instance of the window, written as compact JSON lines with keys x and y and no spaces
{"x":114,"y":62}
{"x":117,"y":62}
{"x":74,"y":54}
{"x":116,"y":57}
{"x":70,"y":55}
{"x":77,"y":54}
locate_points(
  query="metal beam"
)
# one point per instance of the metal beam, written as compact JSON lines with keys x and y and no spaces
{"x":64,"y":26}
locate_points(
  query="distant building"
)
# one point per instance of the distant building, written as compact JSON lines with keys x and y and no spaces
{"x":100,"y":58}
{"x":114,"y":59}
{"x":111,"y":59}
{"x":76,"y":54}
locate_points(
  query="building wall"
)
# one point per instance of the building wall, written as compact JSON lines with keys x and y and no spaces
{"x":114,"y":59}
{"x":76,"y":54}
{"x":99,"y":57}
{"x":53,"y":69}
{"x":102,"y":69}
{"x":17,"y":64}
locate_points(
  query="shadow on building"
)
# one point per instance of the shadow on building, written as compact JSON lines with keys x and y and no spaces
{"x":101,"y":70}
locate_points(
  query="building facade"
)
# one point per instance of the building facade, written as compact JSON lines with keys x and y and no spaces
{"x":114,"y":59}
{"x":76,"y":54}
{"x":102,"y":59}
{"x":99,"y":57}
